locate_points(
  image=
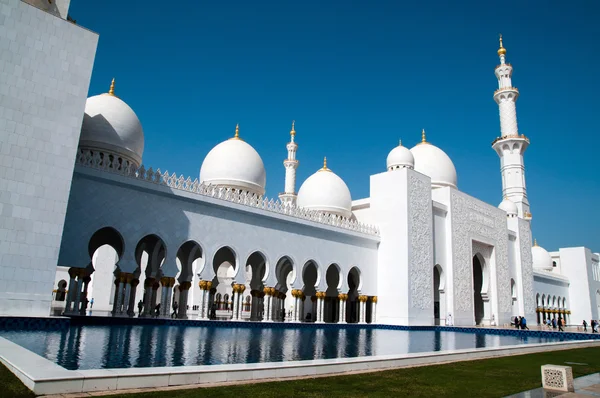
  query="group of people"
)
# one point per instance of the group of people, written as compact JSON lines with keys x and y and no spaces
{"x":593,"y":324}
{"x":554,"y":323}
{"x":520,"y":322}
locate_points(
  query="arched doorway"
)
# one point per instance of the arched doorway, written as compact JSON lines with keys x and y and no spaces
{"x":256,"y":268}
{"x":331,"y":308}
{"x":190,"y":262}
{"x":224,"y":266}
{"x":514,"y":298}
{"x":352,"y":303}
{"x":310,"y":275}
{"x":150,"y":254}
{"x":439,"y":302}
{"x":105,"y":248}
{"x":284,"y":276}
{"x":478,"y":286}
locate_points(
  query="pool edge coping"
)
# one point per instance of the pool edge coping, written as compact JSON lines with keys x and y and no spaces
{"x":45,"y":377}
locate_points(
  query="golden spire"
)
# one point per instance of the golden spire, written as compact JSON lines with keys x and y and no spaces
{"x":423,"y":139}
{"x":237,"y":133}
{"x":535,"y":243}
{"x":501,"y":50}
{"x":111,"y":90}
{"x":324,"y":165}
{"x":293,"y":130}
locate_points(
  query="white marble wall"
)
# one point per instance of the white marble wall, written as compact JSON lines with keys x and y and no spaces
{"x":45,"y":69}
{"x":178,"y":216}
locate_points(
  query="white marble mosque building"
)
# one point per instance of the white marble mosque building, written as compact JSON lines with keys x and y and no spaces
{"x":417,"y":251}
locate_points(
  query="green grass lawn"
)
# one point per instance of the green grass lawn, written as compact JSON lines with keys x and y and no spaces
{"x":483,"y":378}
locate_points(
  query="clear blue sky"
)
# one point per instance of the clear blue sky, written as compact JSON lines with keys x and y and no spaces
{"x":359,"y":75}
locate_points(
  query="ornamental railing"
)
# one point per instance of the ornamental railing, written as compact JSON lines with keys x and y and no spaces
{"x":114,"y":164}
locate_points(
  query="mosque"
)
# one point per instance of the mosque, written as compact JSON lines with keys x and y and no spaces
{"x":136,"y":240}
{"x":418,"y":251}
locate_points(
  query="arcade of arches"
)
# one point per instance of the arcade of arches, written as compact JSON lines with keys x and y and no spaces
{"x":550,"y":307}
{"x":158,"y":289}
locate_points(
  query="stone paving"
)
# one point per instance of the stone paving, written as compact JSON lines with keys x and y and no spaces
{"x":585,"y":387}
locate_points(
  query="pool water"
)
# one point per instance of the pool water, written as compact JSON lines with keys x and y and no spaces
{"x":106,"y":347}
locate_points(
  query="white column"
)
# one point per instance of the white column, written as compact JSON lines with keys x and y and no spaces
{"x":319,"y":318}
{"x":296,"y":307}
{"x":71,"y":293}
{"x":77,"y":300}
{"x":202,"y":312}
{"x":235,"y":299}
{"x":341,"y":317}
{"x":119,"y":301}
{"x":374,"y":310}
{"x":126,"y":296}
{"x":267,"y":307}
{"x":362,"y":311}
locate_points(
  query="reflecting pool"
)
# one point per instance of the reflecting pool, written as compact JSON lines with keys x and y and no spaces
{"x":97,"y":347}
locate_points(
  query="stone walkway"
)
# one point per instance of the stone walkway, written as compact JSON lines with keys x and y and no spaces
{"x":585,"y":387}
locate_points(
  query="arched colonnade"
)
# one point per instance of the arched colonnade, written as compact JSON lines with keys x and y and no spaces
{"x":215,"y":289}
{"x":550,"y":306}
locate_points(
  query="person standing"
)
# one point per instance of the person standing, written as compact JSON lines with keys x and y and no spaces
{"x":92,"y":303}
{"x":584,"y":326}
{"x":140,"y":308}
{"x":524,"y":323}
{"x":175,"y":306}
{"x":517,"y":323}
{"x":560,"y":324}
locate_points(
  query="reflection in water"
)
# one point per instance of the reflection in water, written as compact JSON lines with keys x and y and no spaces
{"x":95,"y":347}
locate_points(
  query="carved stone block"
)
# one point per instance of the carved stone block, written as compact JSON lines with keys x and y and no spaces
{"x":557,"y":378}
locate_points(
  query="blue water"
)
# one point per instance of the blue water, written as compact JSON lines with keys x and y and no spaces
{"x":105,"y":347}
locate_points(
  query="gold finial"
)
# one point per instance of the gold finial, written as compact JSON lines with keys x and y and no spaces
{"x":237,"y":133}
{"x":535,"y":243}
{"x":111,"y":90}
{"x":423,"y":139}
{"x":293,"y":131}
{"x":324,"y":164}
{"x":501,"y":50}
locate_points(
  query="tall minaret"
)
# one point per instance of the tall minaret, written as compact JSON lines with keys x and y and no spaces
{"x":291,"y":164}
{"x":511,"y":145}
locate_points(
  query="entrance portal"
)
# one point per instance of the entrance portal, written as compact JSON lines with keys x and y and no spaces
{"x":477,"y":287}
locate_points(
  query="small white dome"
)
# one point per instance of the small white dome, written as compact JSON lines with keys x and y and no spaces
{"x":235,"y":164}
{"x":109,"y":124}
{"x":509,"y":207}
{"x":325,"y":191}
{"x":541,"y":258}
{"x":400,"y":157}
{"x":433,"y":162}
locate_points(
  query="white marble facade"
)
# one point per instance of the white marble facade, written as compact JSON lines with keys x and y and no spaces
{"x":45,"y":69}
{"x":417,"y":251}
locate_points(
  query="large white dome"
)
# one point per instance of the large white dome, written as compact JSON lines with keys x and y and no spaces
{"x":325,"y":191}
{"x":541,"y":258}
{"x":400,"y":157}
{"x":433,"y":162}
{"x":509,"y":207}
{"x":109,"y":124}
{"x":234,"y":163}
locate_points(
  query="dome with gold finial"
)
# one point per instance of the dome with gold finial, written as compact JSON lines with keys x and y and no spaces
{"x":400,"y":157}
{"x":509,"y":207}
{"x":111,"y":126}
{"x":234,"y":164}
{"x":433,"y":162}
{"x":326,"y":192}
{"x":541,"y":258}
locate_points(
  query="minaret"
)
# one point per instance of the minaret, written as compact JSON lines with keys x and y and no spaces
{"x":291,"y":164}
{"x":511,"y":145}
